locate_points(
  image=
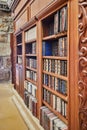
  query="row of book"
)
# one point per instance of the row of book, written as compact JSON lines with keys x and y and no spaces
{"x":31,"y":34}
{"x":31,"y":102}
{"x":60,"y":20}
{"x":55,"y":66}
{"x":31,"y":75}
{"x":49,"y":121}
{"x":31,"y":62}
{"x":57,"y":22}
{"x":30,"y":48}
{"x":55,"y":83}
{"x":19,"y":38}
{"x":55,"y":102}
{"x":31,"y":88}
{"x":55,"y":47}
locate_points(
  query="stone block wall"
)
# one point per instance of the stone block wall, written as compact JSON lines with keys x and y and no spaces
{"x":6,"y":27}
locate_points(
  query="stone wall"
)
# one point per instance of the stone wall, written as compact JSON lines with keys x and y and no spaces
{"x":6,"y":27}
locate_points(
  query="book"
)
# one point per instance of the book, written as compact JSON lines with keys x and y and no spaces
{"x":56,"y":22}
{"x":46,"y":48}
{"x":55,"y":47}
{"x":49,"y":65}
{"x":59,"y":124}
{"x":41,"y":117}
{"x":32,"y":33}
{"x":34,"y":48}
{"x":63,"y":19}
{"x":58,"y":102}
{"x":51,"y":119}
{"x":45,"y":122}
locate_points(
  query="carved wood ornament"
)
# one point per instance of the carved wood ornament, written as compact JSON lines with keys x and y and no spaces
{"x":82,"y":28}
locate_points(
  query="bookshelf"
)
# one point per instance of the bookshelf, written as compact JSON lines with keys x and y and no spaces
{"x":31,"y":69}
{"x":55,"y":62}
{"x":47,"y":58}
{"x":19,"y":48}
{"x":19,"y":64}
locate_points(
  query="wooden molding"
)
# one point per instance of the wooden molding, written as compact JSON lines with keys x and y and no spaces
{"x":82,"y":28}
{"x":44,"y":12}
{"x":52,"y":6}
{"x":14,"y":5}
{"x":21,"y":9}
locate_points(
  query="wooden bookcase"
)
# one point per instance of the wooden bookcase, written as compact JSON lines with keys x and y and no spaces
{"x":19,"y":65}
{"x":55,"y":62}
{"x":31,"y":84}
{"x":19,"y":48}
{"x":47,"y":53}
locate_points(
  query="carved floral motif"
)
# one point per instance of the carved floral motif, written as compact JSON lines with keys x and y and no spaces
{"x":82,"y":28}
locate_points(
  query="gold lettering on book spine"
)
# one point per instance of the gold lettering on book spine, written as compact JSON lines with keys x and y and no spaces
{"x":82,"y":83}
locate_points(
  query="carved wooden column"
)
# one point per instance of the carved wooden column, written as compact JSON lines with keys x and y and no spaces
{"x":82,"y":64}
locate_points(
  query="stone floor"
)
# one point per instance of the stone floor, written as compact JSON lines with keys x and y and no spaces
{"x":10,"y":118}
{"x":13,"y":112}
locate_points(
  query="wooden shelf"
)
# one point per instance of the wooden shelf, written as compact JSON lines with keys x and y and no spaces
{"x":56,"y":93}
{"x":31,"y":69}
{"x":33,"y":82}
{"x":56,"y":75}
{"x":30,"y":41}
{"x":33,"y":55}
{"x":19,"y":55}
{"x":62,"y":34}
{"x":55,"y":57}
{"x":20,"y":44}
{"x":55,"y":112}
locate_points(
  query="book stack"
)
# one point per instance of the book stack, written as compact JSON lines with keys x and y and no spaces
{"x":30,"y":34}
{"x":30,"y":97}
{"x":55,"y":102}
{"x":57,"y":24}
{"x":31,"y":75}
{"x":54,"y":83}
{"x":59,"y":125}
{"x":55,"y":66}
{"x":56,"y":47}
{"x":49,"y":121}
{"x":31,"y":88}
{"x":30,"y":48}
{"x":31,"y":62}
{"x":60,"y":20}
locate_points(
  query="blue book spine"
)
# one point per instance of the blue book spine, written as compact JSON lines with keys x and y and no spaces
{"x":46,"y":48}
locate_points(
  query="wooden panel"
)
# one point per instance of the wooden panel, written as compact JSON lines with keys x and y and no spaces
{"x":13,"y":58}
{"x":73,"y":65}
{"x":20,"y":5}
{"x":37,"y":5}
{"x":22,"y":20}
